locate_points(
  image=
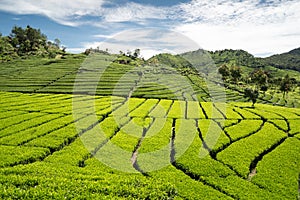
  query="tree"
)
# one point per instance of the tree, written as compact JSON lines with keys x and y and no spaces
{"x":264,"y":88}
{"x":259,"y":77}
{"x":136,"y":53}
{"x":57,"y":42}
{"x":285,"y":85}
{"x":251,"y":95}
{"x":7,"y":51}
{"x":27,"y":40}
{"x":224,"y":71}
{"x":236,"y":73}
{"x":63,"y":48}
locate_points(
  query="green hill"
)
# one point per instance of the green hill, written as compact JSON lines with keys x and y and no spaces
{"x":289,"y":60}
{"x":109,"y":126}
{"x":235,"y":57}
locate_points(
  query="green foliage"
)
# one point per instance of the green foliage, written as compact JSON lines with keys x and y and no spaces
{"x":243,"y":129}
{"x":149,"y":81}
{"x":213,"y":135}
{"x":284,"y":162}
{"x":210,"y":110}
{"x":224,"y":71}
{"x":50,"y":153}
{"x":240,"y":188}
{"x":52,"y":141}
{"x":144,"y":109}
{"x":240,"y":155}
{"x":161,"y":109}
{"x":175,"y":61}
{"x":286,"y":85}
{"x":236,"y":73}
{"x":7,"y":51}
{"x":27,"y":41}
{"x":14,"y":155}
{"x":194,"y":110}
{"x":227,"y":110}
{"x":235,"y":57}
{"x":289,"y":60}
{"x":251,"y":94}
{"x":177,"y":110}
{"x":246,"y":114}
{"x":58,"y":182}
{"x":259,"y":76}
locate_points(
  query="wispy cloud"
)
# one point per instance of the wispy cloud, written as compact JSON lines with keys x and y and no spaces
{"x":235,"y":12}
{"x":150,"y":41}
{"x":258,"y":26}
{"x":103,"y":36}
{"x":64,"y":12}
{"x":74,"y":13}
{"x":205,"y":11}
{"x":252,"y":25}
{"x":134,"y":12}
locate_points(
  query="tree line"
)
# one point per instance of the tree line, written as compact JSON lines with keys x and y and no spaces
{"x":257,"y":81}
{"x":23,"y":42}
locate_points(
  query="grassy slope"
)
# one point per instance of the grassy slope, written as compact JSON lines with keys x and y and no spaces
{"x":43,"y":156}
{"x":38,"y":155}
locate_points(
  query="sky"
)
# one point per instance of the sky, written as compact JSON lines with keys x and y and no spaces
{"x":261,"y":27}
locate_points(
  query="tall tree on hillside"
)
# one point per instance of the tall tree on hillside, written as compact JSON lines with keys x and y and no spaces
{"x":260,"y":78}
{"x":286,"y":85}
{"x":236,"y":73}
{"x":27,"y":40}
{"x":251,"y":95}
{"x":224,"y":71}
{"x":7,"y":51}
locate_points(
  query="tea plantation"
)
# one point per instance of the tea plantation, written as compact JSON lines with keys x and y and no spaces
{"x":138,"y":133}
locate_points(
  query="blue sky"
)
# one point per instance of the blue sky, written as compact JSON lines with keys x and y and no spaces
{"x":262,"y":27}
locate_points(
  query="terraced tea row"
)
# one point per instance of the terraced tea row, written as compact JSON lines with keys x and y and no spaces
{"x":106,"y":75}
{"x":182,"y":149}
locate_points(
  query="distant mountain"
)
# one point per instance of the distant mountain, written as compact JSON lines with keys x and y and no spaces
{"x":220,"y":57}
{"x":235,"y":57}
{"x":289,"y":60}
{"x":167,"y":59}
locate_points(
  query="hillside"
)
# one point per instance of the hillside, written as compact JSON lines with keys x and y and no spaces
{"x":235,"y":57}
{"x":110,"y":126}
{"x":289,"y":60}
{"x":26,"y":42}
{"x":64,"y":146}
{"x":169,"y":77}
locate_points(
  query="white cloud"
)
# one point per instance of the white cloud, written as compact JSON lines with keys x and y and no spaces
{"x":260,"y":29}
{"x":75,"y":50}
{"x":134,"y":12}
{"x":72,"y":12}
{"x":257,"y":39}
{"x":150,"y":41}
{"x":64,"y":12}
{"x":235,"y":12}
{"x":148,"y":53}
{"x":103,"y":36}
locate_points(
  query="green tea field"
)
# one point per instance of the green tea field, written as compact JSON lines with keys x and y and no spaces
{"x":65,"y":133}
